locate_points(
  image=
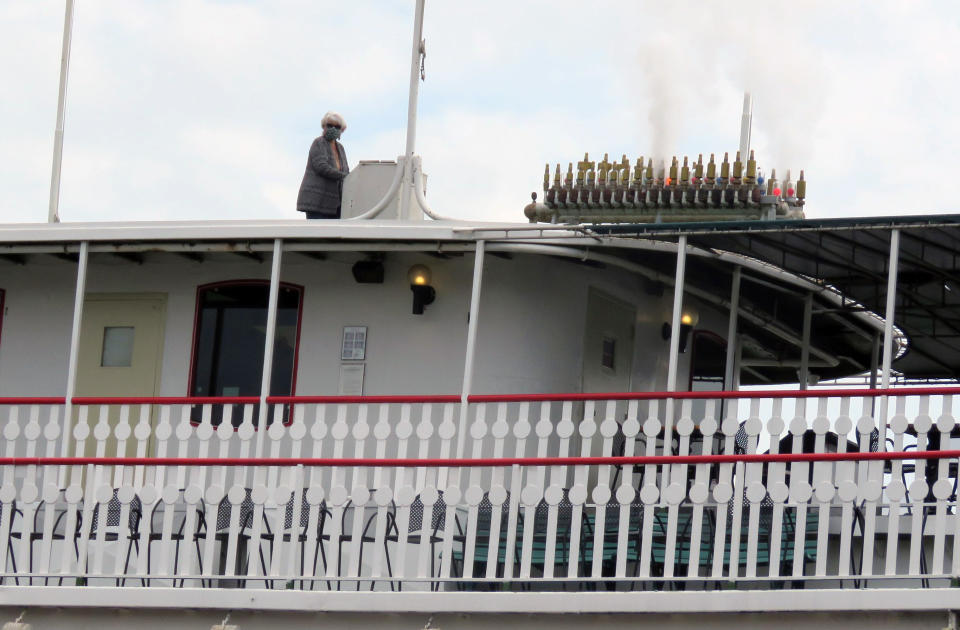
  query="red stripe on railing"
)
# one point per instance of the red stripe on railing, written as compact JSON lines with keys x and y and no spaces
{"x":810,"y":393}
{"x":36,"y":400}
{"x":479,"y":462}
{"x":485,"y":398}
{"x":334,"y":400}
{"x":165,"y":400}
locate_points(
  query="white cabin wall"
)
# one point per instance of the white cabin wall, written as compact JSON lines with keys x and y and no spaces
{"x":35,"y":339}
{"x":530,"y":335}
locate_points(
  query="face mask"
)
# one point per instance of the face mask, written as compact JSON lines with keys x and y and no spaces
{"x":331,"y":133}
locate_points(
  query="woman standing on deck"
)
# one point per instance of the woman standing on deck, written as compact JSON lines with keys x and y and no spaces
{"x":322,"y":185}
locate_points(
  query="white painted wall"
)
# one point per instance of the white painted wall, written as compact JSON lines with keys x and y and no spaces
{"x":530,"y":334}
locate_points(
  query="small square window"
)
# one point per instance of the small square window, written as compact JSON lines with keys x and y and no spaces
{"x":117,"y":346}
{"x":608,"y":355}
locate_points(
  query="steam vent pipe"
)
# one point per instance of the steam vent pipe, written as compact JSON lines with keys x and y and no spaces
{"x":745,"y":122}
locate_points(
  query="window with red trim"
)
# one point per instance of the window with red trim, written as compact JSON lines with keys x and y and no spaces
{"x":228,"y":340}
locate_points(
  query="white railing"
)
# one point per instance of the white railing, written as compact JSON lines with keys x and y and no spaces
{"x":552,"y":491}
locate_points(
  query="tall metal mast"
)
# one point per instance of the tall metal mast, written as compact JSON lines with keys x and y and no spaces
{"x":417,"y":52}
{"x":53,"y":214}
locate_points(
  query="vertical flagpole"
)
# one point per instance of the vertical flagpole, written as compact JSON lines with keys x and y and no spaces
{"x":406,"y":189}
{"x":53,"y":215}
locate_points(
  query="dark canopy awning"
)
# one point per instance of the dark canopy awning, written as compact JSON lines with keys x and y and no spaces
{"x":852,"y":256}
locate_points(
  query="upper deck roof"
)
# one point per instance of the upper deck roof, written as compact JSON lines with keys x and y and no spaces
{"x":843,"y":261}
{"x":852,"y":255}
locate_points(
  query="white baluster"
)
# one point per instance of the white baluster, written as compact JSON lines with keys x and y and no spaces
{"x":564,"y":431}
{"x":823,"y":486}
{"x":103,"y":495}
{"x":260,"y":493}
{"x":141,"y":433}
{"x":776,"y":487}
{"x":50,"y":494}
{"x":601,"y":494}
{"x":424,"y":434}
{"x":403,"y":432}
{"x":478,"y":432}
{"x":382,"y":498}
{"x":896,"y":490}
{"x":193,"y":499}
{"x":8,"y":497}
{"x":800,"y":489}
{"x":124,"y":545}
{"x":650,"y":492}
{"x":149,"y":495}
{"x":338,"y":491}
{"x":676,"y":491}
{"x":446,"y":431}
{"x":723,"y":491}
{"x":316,"y":494}
{"x":244,"y":476}
{"x":918,"y":489}
{"x":943,"y":488}
{"x":553,"y":494}
{"x":73,"y":496}
{"x":739,"y":488}
{"x":700,"y":491}
{"x":474,"y":493}
{"x":845,"y":473}
{"x":162,"y":435}
{"x":276,"y":432}
{"x":361,"y":490}
{"x":428,"y":498}
{"x":56,"y":475}
{"x":296,"y":432}
{"x":122,"y":432}
{"x":28,"y":504}
{"x":8,"y":492}
{"x":869,"y":482}
{"x":754,"y":490}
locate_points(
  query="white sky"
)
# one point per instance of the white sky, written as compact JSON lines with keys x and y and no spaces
{"x":181,"y":109}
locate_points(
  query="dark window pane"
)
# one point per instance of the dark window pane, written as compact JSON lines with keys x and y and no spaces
{"x":228,"y":352}
{"x":608,"y":354}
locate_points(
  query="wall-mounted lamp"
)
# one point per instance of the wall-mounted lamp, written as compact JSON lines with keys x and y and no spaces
{"x":423,"y":293}
{"x":688,"y":319}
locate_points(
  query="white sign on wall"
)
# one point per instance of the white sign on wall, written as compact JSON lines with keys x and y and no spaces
{"x":351,"y":379}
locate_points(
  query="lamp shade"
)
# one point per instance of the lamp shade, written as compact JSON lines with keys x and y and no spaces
{"x":419,"y":275}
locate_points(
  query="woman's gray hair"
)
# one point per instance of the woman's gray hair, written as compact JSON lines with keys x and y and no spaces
{"x":333,"y":117}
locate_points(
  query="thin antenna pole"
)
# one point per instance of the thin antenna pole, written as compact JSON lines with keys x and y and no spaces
{"x":746,"y":122}
{"x":53,"y":214}
{"x":728,"y":382}
{"x":417,"y":50}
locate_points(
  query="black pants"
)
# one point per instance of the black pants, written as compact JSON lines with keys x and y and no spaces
{"x":321,"y":215}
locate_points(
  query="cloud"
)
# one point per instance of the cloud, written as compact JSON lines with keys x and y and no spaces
{"x":205,"y":108}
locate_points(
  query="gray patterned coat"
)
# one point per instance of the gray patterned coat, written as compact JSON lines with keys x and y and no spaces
{"x":322,"y":184}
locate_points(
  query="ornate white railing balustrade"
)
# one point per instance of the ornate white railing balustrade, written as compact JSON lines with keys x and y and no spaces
{"x":555,"y":491}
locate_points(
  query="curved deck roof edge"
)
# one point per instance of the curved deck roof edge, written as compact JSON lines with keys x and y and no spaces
{"x":299,"y":229}
{"x":784,"y":225}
